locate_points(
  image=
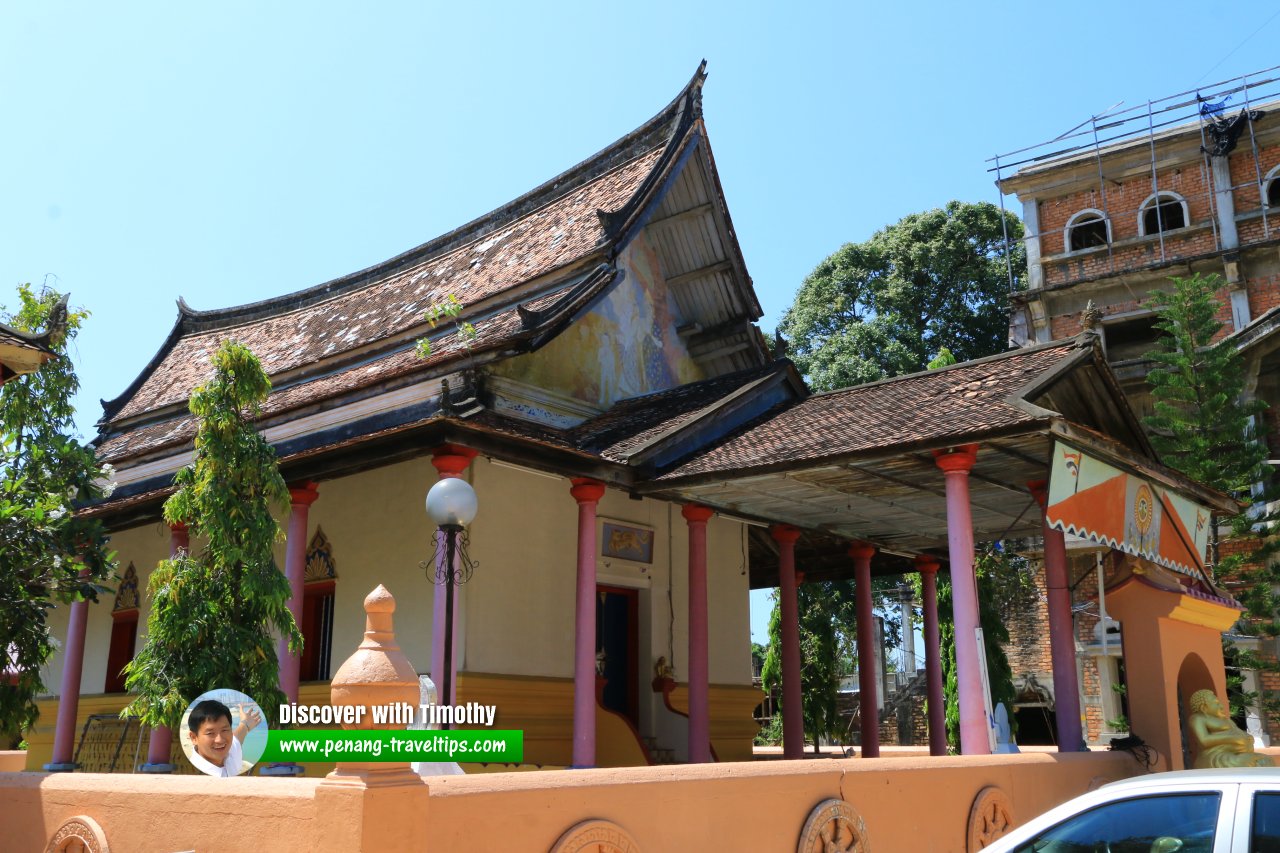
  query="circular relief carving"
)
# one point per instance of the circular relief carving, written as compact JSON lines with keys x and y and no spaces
{"x":834,"y":827}
{"x":990,"y":818}
{"x":596,"y":836}
{"x":80,"y":834}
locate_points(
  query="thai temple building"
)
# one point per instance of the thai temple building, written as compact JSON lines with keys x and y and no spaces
{"x":642,"y":460}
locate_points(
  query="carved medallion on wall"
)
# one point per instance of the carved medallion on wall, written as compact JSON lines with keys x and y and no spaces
{"x":596,"y":836}
{"x":834,"y":827}
{"x":990,"y":818}
{"x":80,"y":834}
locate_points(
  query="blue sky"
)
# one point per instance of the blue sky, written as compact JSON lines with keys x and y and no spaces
{"x":226,"y":153}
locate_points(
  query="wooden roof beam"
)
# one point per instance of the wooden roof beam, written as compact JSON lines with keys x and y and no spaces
{"x":682,"y":216}
{"x":694,"y":275}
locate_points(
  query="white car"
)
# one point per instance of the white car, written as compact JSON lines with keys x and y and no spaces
{"x":1191,"y":811}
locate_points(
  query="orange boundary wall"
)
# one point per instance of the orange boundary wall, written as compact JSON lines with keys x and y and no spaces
{"x":917,"y":804}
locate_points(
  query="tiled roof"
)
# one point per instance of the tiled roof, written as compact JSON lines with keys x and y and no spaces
{"x":559,"y":226}
{"x":13,"y":338}
{"x":920,"y":408}
{"x":613,"y":435}
{"x":564,"y":231}
{"x":402,"y":362}
{"x":631,"y":424}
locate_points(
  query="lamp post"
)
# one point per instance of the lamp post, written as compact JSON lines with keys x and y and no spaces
{"x":452,"y":505}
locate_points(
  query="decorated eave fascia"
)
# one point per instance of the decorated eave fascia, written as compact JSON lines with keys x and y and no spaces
{"x":21,"y":352}
{"x":1258,"y":334}
{"x":1117,"y":454}
{"x":550,"y":450}
{"x":24,"y":352}
{"x":1074,"y":169}
{"x":678,"y":129}
{"x":1103,"y":380}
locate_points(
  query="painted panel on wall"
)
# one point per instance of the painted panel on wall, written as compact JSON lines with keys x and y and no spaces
{"x":625,"y":347}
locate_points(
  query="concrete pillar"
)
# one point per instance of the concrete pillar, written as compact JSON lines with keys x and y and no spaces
{"x":699,"y":684}
{"x":868,"y":688}
{"x":928,"y":568}
{"x":1062,"y":633}
{"x":449,"y":460}
{"x":908,"y":632}
{"x":301,"y":497}
{"x":587,"y":493}
{"x":1224,"y":203}
{"x":158,"y":747}
{"x":1031,"y":230}
{"x":956,"y":464}
{"x":792,"y":703}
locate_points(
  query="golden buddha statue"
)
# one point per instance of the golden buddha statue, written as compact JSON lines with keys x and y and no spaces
{"x":1216,"y":740}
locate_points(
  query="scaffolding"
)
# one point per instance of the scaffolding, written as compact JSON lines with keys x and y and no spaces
{"x":1222,"y":111}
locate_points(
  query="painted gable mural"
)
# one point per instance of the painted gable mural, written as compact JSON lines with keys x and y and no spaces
{"x":626,"y":346}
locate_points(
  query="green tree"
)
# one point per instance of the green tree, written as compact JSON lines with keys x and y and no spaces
{"x":825,"y":653}
{"x":213,"y":612}
{"x":1005,"y":586}
{"x":828,"y":648}
{"x":1205,"y":425}
{"x":887,"y":306}
{"x":48,"y":554}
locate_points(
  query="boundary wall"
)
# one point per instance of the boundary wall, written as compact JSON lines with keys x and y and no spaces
{"x":901,"y":804}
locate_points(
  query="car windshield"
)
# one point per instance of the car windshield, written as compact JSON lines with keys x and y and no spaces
{"x":1154,"y":824}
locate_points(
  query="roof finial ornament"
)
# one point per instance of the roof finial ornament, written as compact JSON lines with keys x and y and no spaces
{"x":1091,"y":318}
{"x":780,"y":345}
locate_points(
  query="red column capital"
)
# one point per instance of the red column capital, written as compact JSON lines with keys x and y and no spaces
{"x":450,"y":460}
{"x":586,"y":490}
{"x":303,"y":493}
{"x":697,"y":513}
{"x":1040,"y":491}
{"x":862,"y":550}
{"x":926,"y":565}
{"x":959,"y":458}
{"x":784,"y":533}
{"x":179,"y":538}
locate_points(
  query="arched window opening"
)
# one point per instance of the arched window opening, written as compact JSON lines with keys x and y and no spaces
{"x":1165,"y":213}
{"x":317,"y":609}
{"x":1088,"y":229}
{"x":124,"y":631}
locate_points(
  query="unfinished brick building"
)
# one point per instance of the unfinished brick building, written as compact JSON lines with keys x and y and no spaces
{"x":1115,"y":208}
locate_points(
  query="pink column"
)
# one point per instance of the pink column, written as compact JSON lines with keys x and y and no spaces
{"x":1062,"y":639}
{"x":699,"y":708}
{"x":868,"y":692}
{"x":69,"y":701}
{"x":450,"y":460}
{"x":301,"y":497}
{"x":587,"y":493}
{"x":928,"y":568}
{"x":792,"y":703}
{"x":162,"y":736}
{"x":956,"y":464}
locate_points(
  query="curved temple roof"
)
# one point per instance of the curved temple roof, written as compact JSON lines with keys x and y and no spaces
{"x":566,"y":223}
